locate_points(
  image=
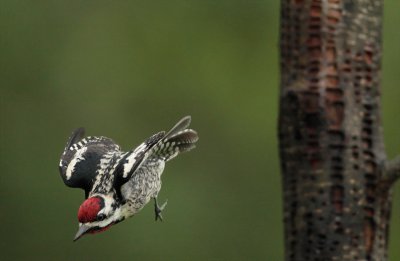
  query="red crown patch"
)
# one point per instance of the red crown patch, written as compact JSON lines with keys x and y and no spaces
{"x":89,"y":209}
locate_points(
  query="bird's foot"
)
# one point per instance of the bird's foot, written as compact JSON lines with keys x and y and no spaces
{"x":158,"y":209}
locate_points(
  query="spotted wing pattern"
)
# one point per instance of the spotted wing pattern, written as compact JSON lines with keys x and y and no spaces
{"x":81,"y":159}
{"x":132,"y":160}
{"x":145,"y":182}
{"x":97,"y":165}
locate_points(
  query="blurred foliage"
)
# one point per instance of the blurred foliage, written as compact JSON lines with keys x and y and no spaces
{"x":127,"y":69}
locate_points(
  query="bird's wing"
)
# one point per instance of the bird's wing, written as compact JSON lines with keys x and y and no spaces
{"x":132,"y":160}
{"x":159,"y":144}
{"x":81,"y":159}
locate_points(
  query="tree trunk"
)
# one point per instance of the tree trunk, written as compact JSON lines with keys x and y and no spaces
{"x":336,"y":179}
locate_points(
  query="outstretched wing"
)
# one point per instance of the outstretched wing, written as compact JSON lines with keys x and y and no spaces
{"x":132,"y":160}
{"x":160,"y":146}
{"x":81,"y":158}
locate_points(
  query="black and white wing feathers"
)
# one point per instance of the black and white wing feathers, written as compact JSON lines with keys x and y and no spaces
{"x":98,"y":164}
{"x":132,"y":160}
{"x":81,"y":159}
{"x":159,"y":147}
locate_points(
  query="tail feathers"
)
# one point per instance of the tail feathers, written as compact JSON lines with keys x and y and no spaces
{"x":180,"y":126}
{"x":177,"y":140}
{"x":185,"y":136}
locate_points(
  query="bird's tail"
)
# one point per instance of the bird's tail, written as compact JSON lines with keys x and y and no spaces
{"x":178,"y":139}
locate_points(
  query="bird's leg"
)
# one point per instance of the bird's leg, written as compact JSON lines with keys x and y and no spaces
{"x":158,"y":209}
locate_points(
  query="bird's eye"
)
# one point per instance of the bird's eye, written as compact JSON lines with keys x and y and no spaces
{"x":101,"y":217}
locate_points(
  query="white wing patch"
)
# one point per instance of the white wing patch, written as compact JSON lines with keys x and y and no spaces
{"x":77,"y":158}
{"x":131,"y":159}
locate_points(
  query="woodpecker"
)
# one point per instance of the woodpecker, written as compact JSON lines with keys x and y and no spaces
{"x":119,"y":184}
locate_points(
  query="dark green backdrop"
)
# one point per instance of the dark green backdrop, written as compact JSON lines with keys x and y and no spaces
{"x":127,"y":69}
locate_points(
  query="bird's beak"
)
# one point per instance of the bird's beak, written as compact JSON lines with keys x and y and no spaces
{"x":82,"y":230}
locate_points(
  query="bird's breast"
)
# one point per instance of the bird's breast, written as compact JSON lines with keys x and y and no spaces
{"x":144,"y":184}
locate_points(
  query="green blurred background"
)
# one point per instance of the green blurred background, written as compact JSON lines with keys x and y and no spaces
{"x":127,"y":69}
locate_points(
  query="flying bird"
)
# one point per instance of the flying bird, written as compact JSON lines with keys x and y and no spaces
{"x":119,"y":184}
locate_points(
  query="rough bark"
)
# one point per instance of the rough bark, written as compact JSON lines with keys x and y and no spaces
{"x":336,"y":179}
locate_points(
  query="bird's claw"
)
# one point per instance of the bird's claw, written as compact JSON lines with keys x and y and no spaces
{"x":158,"y":210}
